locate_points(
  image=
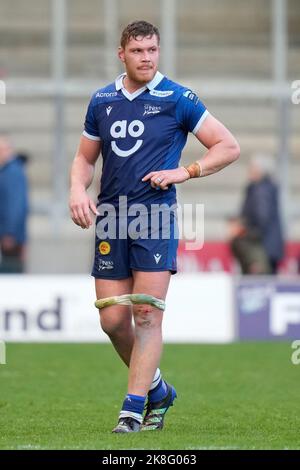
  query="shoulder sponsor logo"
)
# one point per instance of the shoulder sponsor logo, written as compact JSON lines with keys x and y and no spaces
{"x":148,"y":109}
{"x":161,"y":94}
{"x":191,"y":96}
{"x":188,"y":94}
{"x":157,"y":258}
{"x":106,"y":95}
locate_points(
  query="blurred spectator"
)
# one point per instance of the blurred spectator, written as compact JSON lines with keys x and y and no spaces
{"x":261,"y":209}
{"x":13,"y":209}
{"x":247,"y":247}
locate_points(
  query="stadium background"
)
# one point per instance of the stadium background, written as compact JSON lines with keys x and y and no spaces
{"x":241,"y":58}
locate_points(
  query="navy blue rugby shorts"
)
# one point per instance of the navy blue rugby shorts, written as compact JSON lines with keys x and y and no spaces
{"x":127,"y":246}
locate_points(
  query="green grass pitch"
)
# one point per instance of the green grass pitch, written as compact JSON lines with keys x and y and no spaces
{"x":67,"y":396}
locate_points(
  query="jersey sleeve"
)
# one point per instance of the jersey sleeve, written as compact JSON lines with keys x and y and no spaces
{"x":90,"y":126}
{"x":191,"y":112}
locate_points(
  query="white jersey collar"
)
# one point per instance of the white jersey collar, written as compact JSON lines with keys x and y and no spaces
{"x":131,"y":96}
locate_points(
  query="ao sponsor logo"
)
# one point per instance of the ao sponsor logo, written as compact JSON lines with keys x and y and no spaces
{"x":119,"y":130}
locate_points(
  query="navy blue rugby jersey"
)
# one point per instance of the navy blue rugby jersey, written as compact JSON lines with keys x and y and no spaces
{"x":141,"y":132}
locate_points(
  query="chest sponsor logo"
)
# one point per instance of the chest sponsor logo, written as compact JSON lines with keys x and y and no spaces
{"x":148,"y":109}
{"x":119,"y":130}
{"x":106,"y":95}
{"x":161,"y":94}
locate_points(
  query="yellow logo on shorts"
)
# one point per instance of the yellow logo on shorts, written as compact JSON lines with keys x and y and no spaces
{"x":104,"y":248}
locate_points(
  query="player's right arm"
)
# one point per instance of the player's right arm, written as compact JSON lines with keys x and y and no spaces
{"x":82,"y":172}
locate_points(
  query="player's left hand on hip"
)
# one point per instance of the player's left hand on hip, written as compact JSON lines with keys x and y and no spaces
{"x":162,"y":179}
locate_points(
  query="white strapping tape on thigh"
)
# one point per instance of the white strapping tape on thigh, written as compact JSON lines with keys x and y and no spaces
{"x":131,"y":299}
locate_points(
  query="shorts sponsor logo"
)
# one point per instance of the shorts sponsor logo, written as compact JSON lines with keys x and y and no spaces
{"x":104,"y":248}
{"x":104,"y":265}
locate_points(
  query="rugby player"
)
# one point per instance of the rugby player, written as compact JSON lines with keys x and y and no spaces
{"x":139,"y":123}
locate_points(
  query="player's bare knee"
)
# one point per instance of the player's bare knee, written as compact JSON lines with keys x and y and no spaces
{"x":146,"y":316}
{"x":114,"y":326}
{"x":113,"y":329}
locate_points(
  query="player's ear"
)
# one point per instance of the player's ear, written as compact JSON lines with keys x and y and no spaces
{"x":121,"y":54}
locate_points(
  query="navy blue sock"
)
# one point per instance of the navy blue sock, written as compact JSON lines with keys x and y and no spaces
{"x":133,"y":404}
{"x":159,"y":392}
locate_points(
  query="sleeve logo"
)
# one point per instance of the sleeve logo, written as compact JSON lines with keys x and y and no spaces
{"x":191,"y":96}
